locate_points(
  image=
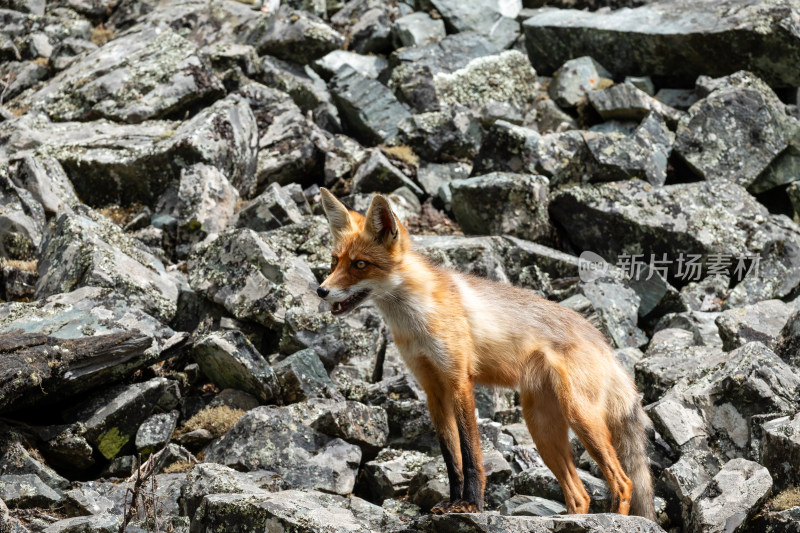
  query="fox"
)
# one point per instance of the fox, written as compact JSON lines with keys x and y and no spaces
{"x":454,"y":330}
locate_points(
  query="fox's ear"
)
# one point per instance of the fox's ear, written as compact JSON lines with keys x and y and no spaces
{"x":337,"y":213}
{"x":381,"y":220}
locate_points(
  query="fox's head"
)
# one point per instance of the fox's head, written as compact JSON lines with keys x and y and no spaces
{"x":366,"y":251}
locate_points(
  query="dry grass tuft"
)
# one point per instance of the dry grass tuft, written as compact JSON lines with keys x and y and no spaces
{"x":120,"y":215}
{"x":403,"y":153}
{"x":785,"y":500}
{"x":178,"y":467}
{"x":25,"y":266}
{"x":101,"y":35}
{"x":217,"y":420}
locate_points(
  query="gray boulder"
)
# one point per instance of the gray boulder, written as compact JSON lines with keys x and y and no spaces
{"x":731,"y":497}
{"x":481,"y":256}
{"x":252,"y":280}
{"x":417,"y":29}
{"x":302,"y":376}
{"x":575,"y":78}
{"x":47,"y":182}
{"x":156,"y":431}
{"x":27,"y":490}
{"x":506,"y":77}
{"x":540,"y":481}
{"x":279,"y":439}
{"x":721,"y":41}
{"x":271,"y":209}
{"x":523,"y":505}
{"x":493,"y":19}
{"x":101,"y":523}
{"x":143,"y":75}
{"x":787,"y":346}
{"x":487,"y":523}
{"x":209,"y":478}
{"x":18,"y":458}
{"x":675,"y":219}
{"x":742,"y":115}
{"x":389,"y":475}
{"x":293,"y":35}
{"x":773,"y":273}
{"x":86,"y":249}
{"x":101,"y":339}
{"x":502,"y":203}
{"x":368,"y":66}
{"x":760,"y":322}
{"x":291,"y":510}
{"x":625,"y":101}
{"x":449,"y":134}
{"x":780,"y":450}
{"x":21,"y":220}
{"x":9,"y":523}
{"x":378,"y":174}
{"x":365,"y":426}
{"x":368,"y":108}
{"x":230,"y":360}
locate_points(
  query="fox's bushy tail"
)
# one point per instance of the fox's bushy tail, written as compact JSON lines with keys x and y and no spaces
{"x":629,"y":437}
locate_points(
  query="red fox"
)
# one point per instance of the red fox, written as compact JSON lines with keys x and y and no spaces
{"x":454,"y":330}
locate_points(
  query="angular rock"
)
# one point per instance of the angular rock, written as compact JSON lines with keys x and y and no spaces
{"x":417,"y":29}
{"x":293,"y":36}
{"x":66,"y":447}
{"x":613,"y":308}
{"x":290,"y":510}
{"x":733,"y":120}
{"x":101,"y":523}
{"x":775,"y":275}
{"x":9,"y":523}
{"x":414,"y":68}
{"x":733,"y":495}
{"x":378,"y":174}
{"x":209,"y":478}
{"x":368,"y":108}
{"x":683,"y":482}
{"x":271,"y":209}
{"x":787,"y":346}
{"x":679,"y":220}
{"x":540,"y":481}
{"x":241,"y":272}
{"x":47,"y":182}
{"x":722,"y":40}
{"x":27,"y":490}
{"x":230,"y":360}
{"x":452,"y":133}
{"x":760,"y":322}
{"x":780,"y":450}
{"x":491,"y":18}
{"x":487,"y":523}
{"x":575,"y":78}
{"x":371,"y":32}
{"x":156,"y":431}
{"x":278,"y":439}
{"x":302,"y":376}
{"x":481,"y":256}
{"x":365,"y":426}
{"x":18,"y":458}
{"x":522,"y":505}
{"x":367,"y":65}
{"x":502,"y":203}
{"x":506,"y":77}
{"x":86,"y":249}
{"x":389,"y":475}
{"x":143,"y":75}
{"x":113,"y":417}
{"x":21,"y":220}
{"x":624,"y":101}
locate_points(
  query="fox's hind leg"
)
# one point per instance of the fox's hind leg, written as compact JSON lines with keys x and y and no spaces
{"x":549,"y":429}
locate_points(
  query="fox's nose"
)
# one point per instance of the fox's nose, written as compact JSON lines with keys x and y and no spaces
{"x":322,"y":292}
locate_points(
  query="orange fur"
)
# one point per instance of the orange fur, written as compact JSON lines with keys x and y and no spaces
{"x":454,"y":330}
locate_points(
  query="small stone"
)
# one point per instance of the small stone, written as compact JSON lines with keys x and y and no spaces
{"x":417,"y":29}
{"x":156,"y":431}
{"x":575,"y":79}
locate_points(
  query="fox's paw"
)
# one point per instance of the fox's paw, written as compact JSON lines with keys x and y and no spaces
{"x":441,"y":507}
{"x":463,"y":506}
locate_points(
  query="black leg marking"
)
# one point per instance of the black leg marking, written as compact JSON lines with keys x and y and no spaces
{"x":473,"y":491}
{"x":454,"y":476}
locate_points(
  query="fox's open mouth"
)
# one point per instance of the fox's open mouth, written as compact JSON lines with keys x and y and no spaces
{"x":346,"y":305}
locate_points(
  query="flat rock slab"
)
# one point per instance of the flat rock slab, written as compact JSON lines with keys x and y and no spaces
{"x":676,"y":40}
{"x":151,"y":73}
{"x":491,"y":523}
{"x":290,"y":510}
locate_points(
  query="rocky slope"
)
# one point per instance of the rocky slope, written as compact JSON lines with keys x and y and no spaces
{"x":161,"y":239}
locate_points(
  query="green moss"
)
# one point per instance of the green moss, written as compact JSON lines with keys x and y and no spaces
{"x":111,"y":442}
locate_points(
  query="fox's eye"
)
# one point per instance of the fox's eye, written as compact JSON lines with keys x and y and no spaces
{"x":360,"y":264}
{"x":334,"y":262}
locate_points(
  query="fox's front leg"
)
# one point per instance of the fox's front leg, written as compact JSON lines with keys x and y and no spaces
{"x":471,"y":457}
{"x":441,"y":409}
